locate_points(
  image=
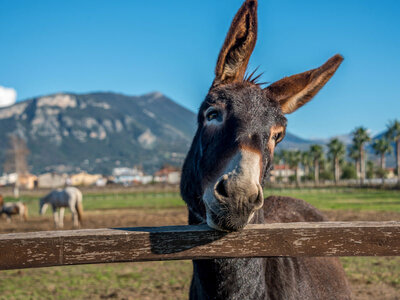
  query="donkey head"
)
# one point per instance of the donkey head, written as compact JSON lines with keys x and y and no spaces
{"x":239,"y":125}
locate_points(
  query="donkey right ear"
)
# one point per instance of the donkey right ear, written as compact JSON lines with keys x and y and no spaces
{"x":295,"y":91}
{"x":238,"y":45}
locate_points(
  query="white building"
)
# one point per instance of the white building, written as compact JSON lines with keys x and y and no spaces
{"x":8,"y":179}
{"x":128,"y":176}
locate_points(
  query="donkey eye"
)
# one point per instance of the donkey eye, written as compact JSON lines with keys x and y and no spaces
{"x":278,"y":137}
{"x":212,"y":115}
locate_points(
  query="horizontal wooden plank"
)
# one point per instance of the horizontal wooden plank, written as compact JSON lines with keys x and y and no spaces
{"x":56,"y":248}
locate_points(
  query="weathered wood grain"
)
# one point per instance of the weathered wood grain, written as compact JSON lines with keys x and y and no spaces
{"x":55,"y":248}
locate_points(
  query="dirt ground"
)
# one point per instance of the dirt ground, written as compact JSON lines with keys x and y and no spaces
{"x":102,"y":219}
{"x":177,"y":216}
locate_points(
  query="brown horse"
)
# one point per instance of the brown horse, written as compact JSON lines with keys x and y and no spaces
{"x":239,"y":125}
{"x":13,"y":208}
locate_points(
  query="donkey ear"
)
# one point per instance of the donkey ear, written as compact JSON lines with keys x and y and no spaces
{"x":238,"y":45}
{"x":295,"y":91}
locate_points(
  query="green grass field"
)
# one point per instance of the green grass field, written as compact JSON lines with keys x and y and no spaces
{"x":371,"y":277}
{"x":324,"y":199}
{"x":345,"y":199}
{"x":97,"y":201}
{"x":157,"y":280}
{"x":118,"y":281}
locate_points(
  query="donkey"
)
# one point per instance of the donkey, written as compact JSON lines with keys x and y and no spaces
{"x":61,"y":198}
{"x":239,"y":125}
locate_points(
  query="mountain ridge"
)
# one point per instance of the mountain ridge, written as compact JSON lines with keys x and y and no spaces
{"x":97,"y":131}
{"x":70,"y":131}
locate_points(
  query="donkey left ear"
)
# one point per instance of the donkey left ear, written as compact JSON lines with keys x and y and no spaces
{"x":238,"y":46}
{"x":295,"y":91}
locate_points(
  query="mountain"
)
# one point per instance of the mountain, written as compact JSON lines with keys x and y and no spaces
{"x":96,"y":132}
{"x":347,"y":139}
{"x":293,"y":142}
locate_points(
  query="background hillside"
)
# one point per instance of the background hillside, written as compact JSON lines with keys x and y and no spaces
{"x":99,"y":131}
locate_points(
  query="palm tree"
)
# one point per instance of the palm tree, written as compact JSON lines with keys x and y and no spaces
{"x":360,"y":138}
{"x":294,"y":159}
{"x":393,"y":134}
{"x":354,"y":154}
{"x":371,"y":170}
{"x":306,"y":161}
{"x":317,"y":154}
{"x":382,"y":147}
{"x":277,"y":157}
{"x":336,"y":150}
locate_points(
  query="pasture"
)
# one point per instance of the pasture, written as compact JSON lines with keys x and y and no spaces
{"x":370,"y":278}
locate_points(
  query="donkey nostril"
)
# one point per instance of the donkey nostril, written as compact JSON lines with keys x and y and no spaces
{"x":255,"y":198}
{"x":221,"y":189}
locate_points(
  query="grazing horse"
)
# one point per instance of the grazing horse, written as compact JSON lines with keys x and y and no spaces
{"x":239,"y":125}
{"x":61,"y":198}
{"x":13,"y":208}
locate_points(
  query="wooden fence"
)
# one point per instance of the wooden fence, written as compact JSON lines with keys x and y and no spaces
{"x":90,"y":246}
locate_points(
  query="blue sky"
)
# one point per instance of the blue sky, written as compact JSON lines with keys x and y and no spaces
{"x":135,"y":47}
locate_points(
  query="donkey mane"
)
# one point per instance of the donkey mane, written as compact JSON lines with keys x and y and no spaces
{"x":254,"y":78}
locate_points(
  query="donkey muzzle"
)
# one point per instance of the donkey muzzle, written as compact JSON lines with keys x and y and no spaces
{"x":232,"y":200}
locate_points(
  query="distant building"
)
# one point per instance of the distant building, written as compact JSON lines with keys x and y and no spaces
{"x":8,"y":179}
{"x":146,"y":179}
{"x":127,"y":172}
{"x":281,"y":173}
{"x":28,"y":181}
{"x":168,"y":174}
{"x":52,"y":180}
{"x":101,"y":181}
{"x":84,"y":179}
{"x":128,"y":176}
{"x":390,"y":173}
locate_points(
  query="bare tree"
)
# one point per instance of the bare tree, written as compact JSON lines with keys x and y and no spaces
{"x":16,"y":159}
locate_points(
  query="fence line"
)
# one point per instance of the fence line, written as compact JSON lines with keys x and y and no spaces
{"x":89,"y":246}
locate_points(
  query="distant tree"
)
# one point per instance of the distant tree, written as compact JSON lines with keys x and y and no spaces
{"x":278,"y":157}
{"x":284,"y":155}
{"x":393,"y":134}
{"x":293,"y":160}
{"x":326,"y":174}
{"x":370,"y":172}
{"x":360,"y":138}
{"x":317,"y":155}
{"x":16,"y":155}
{"x":354,"y":154}
{"x":307,"y":162}
{"x":381,"y":148}
{"x":336,"y":151}
{"x":348,"y":171}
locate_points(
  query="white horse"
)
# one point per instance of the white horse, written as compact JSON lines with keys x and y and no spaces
{"x":13,"y":208}
{"x":61,"y":198}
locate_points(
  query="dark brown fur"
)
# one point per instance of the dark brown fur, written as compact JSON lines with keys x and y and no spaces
{"x":249,"y":117}
{"x":322,"y":278}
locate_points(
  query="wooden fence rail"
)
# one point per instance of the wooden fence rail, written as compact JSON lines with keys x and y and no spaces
{"x":89,"y":246}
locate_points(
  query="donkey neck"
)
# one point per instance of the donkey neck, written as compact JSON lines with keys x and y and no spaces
{"x":239,"y":278}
